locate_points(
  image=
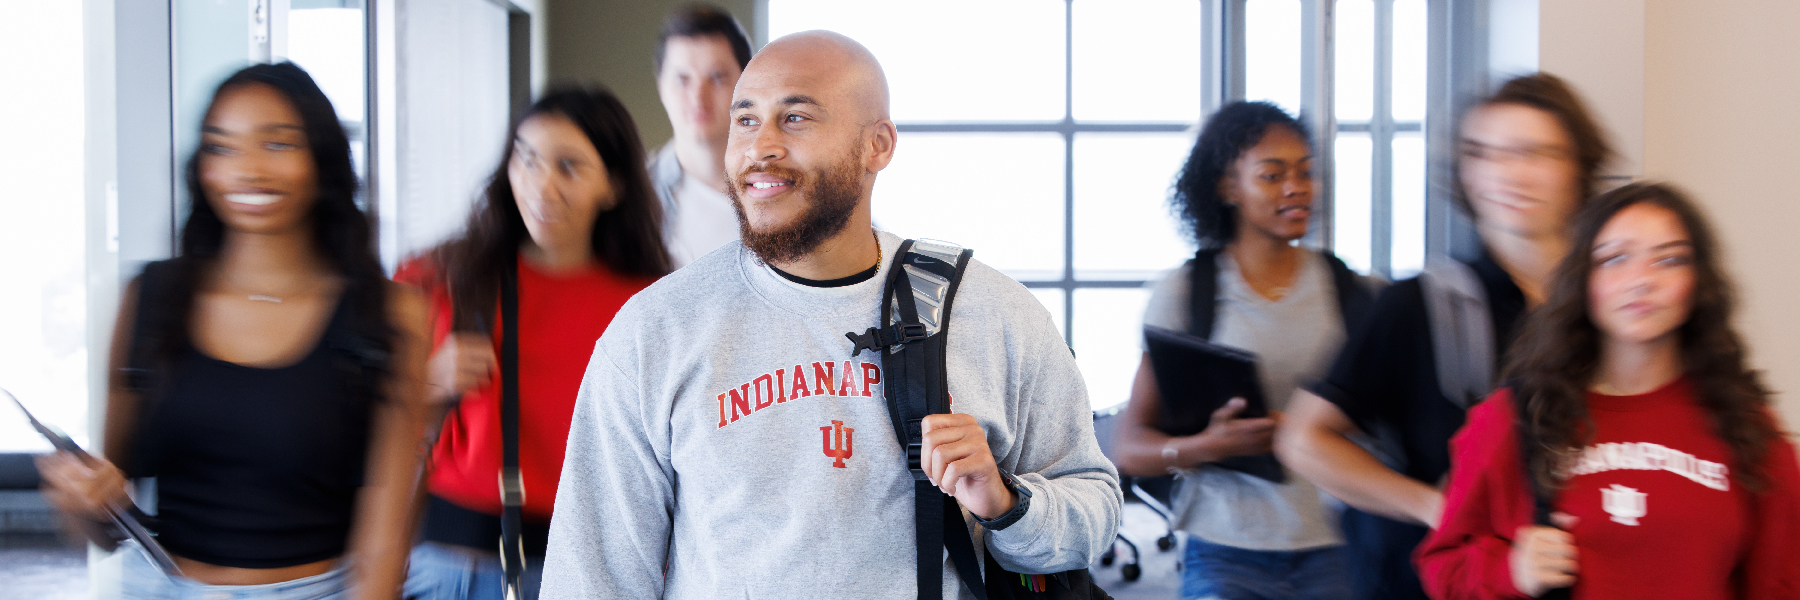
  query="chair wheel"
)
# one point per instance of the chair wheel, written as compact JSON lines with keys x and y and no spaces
{"x":1106,"y":560}
{"x":1131,"y":572}
{"x":1166,"y":542}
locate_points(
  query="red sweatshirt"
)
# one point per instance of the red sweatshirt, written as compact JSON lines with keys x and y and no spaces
{"x":1659,"y":515}
{"x":560,"y":318}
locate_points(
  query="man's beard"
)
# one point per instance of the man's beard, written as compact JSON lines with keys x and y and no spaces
{"x":830,"y":201}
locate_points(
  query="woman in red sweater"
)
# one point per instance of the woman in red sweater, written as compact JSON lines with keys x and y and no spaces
{"x":571,"y":219}
{"x":1654,"y":468}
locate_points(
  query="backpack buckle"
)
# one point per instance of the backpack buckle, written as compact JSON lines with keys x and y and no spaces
{"x":891,"y":337}
{"x":915,"y":461}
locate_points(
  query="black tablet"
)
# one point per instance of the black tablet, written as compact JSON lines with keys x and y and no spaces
{"x":1196,"y":377}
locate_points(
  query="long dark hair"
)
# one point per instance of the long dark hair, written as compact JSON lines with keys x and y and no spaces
{"x":1231,"y":131}
{"x":1558,"y":354}
{"x":341,"y":232}
{"x":627,"y":237}
{"x":1553,"y":96}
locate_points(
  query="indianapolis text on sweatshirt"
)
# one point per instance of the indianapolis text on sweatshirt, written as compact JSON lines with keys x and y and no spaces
{"x":726,"y":443}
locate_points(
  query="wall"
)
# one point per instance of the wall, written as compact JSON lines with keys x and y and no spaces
{"x":611,"y":42}
{"x":1719,"y":119}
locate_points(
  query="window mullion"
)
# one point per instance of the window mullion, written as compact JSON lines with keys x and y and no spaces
{"x":1381,"y":138}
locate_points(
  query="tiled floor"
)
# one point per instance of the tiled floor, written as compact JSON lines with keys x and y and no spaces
{"x":42,"y":567}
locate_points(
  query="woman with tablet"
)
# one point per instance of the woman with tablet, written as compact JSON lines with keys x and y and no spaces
{"x":269,"y":376}
{"x":1246,"y":196}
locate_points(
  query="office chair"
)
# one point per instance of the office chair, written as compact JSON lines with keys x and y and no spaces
{"x":1153,"y":492}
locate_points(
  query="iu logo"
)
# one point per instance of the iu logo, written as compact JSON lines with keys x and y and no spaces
{"x":843,"y":448}
{"x":1625,"y":505}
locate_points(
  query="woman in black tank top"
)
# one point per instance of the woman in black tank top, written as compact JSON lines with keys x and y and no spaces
{"x":269,"y":377}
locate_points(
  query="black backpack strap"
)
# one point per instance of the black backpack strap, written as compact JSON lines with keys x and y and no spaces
{"x":915,"y":314}
{"x":1541,"y":499}
{"x":1354,"y":299}
{"x":512,"y":486}
{"x":1203,"y":292}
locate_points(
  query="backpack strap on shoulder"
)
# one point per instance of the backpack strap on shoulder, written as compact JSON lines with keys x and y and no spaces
{"x":915,"y":317}
{"x":1354,"y":299}
{"x":1203,"y":292}
{"x":1462,"y":333}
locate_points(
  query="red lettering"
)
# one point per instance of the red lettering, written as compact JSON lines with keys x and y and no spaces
{"x":781,"y":384}
{"x":740,"y":402}
{"x":800,"y":390}
{"x":764,"y":400}
{"x":823,"y":378}
{"x":721,"y":409}
{"x":871,"y":376}
{"x":849,"y":381}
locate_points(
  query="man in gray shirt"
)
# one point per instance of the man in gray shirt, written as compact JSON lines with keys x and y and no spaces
{"x":699,"y":55}
{"x":695,"y":465}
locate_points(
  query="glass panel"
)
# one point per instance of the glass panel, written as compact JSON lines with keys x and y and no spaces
{"x":328,"y":43}
{"x":997,"y":60}
{"x":1408,"y":205}
{"x":1052,"y":299}
{"x":43,"y":230}
{"x":1272,"y":52}
{"x":1010,"y":210}
{"x":1355,"y":75}
{"x":1109,"y":341}
{"x":1137,"y":61}
{"x":1409,"y":60}
{"x":212,"y":40}
{"x":1351,"y":214}
{"x":1124,"y":228}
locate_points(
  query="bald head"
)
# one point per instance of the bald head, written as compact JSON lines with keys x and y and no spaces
{"x":831,"y":64}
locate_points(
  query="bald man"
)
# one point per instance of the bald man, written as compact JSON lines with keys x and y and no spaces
{"x":695,"y":465}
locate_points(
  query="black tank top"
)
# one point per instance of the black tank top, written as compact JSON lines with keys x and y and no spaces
{"x":257,"y":467}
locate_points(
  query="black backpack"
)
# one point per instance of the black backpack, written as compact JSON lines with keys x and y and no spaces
{"x":915,"y":314}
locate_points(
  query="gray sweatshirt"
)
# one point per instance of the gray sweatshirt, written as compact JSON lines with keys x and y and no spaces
{"x":723,"y":430}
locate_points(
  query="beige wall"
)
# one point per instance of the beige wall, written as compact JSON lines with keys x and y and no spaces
{"x":611,"y":42}
{"x":1722,"y":119}
{"x":1704,"y":95}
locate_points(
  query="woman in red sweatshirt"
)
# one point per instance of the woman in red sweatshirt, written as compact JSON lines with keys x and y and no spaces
{"x":1653,"y":454}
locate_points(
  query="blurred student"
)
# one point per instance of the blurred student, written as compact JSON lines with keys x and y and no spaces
{"x":1528,"y":157}
{"x":1246,"y":195}
{"x":269,"y":377}
{"x":699,"y":55}
{"x":1629,"y":411}
{"x":568,"y":218}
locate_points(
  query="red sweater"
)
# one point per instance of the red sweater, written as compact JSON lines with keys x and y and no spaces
{"x":560,"y":318}
{"x":1659,"y":514}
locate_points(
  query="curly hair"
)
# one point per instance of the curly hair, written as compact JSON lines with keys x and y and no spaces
{"x":1558,"y":355}
{"x":1231,"y":131}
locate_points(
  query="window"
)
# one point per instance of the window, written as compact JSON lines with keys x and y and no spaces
{"x":43,"y":222}
{"x":1076,"y":116}
{"x":1378,"y":108}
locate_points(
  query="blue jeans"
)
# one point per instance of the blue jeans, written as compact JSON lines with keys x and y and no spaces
{"x":143,"y":581}
{"x":1220,"y":572}
{"x":450,"y":572}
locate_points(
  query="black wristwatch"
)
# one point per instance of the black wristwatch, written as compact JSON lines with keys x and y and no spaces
{"x":1019,"y":507}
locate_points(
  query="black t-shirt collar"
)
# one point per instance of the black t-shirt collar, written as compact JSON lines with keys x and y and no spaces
{"x":829,"y":283}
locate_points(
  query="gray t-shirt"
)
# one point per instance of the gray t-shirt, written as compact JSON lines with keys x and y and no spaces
{"x":1294,"y":339}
